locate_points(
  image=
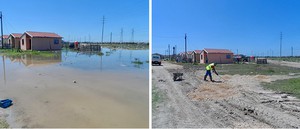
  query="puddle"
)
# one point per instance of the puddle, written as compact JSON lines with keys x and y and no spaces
{"x":110,"y":91}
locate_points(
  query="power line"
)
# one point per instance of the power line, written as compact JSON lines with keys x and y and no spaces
{"x":121,"y":36}
{"x":103,"y":21}
{"x":110,"y":37}
{"x":169,"y":52}
{"x":1,"y":29}
{"x":132,"y":35}
{"x":280,"y":43}
{"x":185,"y":38}
{"x":292,"y":51}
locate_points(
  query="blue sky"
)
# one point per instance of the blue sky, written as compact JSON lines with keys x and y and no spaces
{"x":77,"y":19}
{"x":250,"y":27}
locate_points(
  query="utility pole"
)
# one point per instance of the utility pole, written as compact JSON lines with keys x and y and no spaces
{"x":185,"y":46}
{"x":103,"y":20}
{"x":110,"y":37}
{"x":280,"y":43}
{"x":132,"y":36}
{"x":292,"y":52}
{"x":169,"y":52}
{"x":121,"y":37}
{"x":173,"y":55}
{"x":1,"y":30}
{"x":175,"y":49}
{"x":166,"y":53}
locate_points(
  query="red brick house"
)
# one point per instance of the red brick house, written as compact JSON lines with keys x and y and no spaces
{"x":221,"y":56}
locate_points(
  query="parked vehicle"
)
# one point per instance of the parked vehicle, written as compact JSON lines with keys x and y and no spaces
{"x":156,"y":59}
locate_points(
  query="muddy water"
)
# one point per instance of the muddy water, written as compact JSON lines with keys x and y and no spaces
{"x":109,"y":91}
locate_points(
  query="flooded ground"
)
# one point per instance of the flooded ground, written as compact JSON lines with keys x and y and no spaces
{"x":110,"y":90}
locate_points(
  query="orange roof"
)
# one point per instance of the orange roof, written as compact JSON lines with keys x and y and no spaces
{"x":5,"y":36}
{"x":224,"y":51}
{"x":16,"y":35}
{"x":42,"y":34}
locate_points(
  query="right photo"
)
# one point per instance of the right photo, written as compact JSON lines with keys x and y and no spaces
{"x":225,"y":64}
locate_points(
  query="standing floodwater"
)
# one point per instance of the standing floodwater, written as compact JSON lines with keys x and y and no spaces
{"x":77,"y":89}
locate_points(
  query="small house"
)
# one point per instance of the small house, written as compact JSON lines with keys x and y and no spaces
{"x":14,"y":40}
{"x":40,"y":41}
{"x":222,"y":56}
{"x":190,"y":56}
{"x":187,"y":57}
{"x":196,"y":56}
{"x":5,"y":41}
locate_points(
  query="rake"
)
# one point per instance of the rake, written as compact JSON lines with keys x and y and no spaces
{"x":221,"y":78}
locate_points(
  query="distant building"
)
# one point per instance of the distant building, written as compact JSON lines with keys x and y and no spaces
{"x":5,"y":41}
{"x":196,"y":56}
{"x":40,"y":41}
{"x":14,"y":40}
{"x":189,"y":56}
{"x":186,"y":57}
{"x":221,"y":56}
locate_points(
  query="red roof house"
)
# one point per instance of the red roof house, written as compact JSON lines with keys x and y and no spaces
{"x":14,"y":40}
{"x":222,"y":56}
{"x":40,"y":41}
{"x":196,"y":56}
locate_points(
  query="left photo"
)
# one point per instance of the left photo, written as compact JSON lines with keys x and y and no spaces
{"x":74,"y":64}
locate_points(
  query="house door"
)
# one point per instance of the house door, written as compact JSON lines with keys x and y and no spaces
{"x":29,"y":47}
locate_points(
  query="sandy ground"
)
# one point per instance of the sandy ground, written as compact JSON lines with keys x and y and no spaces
{"x":235,"y":102}
{"x":47,"y":97}
{"x":285,"y":63}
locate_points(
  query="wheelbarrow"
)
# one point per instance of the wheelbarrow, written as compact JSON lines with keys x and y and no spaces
{"x":177,"y":76}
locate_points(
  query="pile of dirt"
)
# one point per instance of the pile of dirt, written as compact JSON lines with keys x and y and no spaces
{"x":212,"y":91}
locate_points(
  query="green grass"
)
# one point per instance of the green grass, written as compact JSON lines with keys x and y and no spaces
{"x":157,"y":97}
{"x":289,"y":59}
{"x":14,"y":52}
{"x":131,"y":46}
{"x":3,"y":124}
{"x":137,"y":61}
{"x":290,"y":86}
{"x":100,"y":53}
{"x":255,"y":69}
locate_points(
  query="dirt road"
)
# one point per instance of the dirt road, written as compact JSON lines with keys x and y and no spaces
{"x":285,"y":63}
{"x":237,"y":101}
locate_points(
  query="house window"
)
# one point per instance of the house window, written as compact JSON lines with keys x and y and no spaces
{"x":228,"y":56}
{"x":56,"y":41}
{"x":201,"y":57}
{"x":22,"y":41}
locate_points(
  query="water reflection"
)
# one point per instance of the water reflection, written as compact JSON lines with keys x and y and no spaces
{"x":4,"y":74}
{"x":107,"y":60}
{"x":37,"y":60}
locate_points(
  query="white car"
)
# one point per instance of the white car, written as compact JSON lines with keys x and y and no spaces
{"x":156,"y":59}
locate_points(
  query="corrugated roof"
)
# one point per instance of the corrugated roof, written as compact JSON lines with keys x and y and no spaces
{"x":197,"y":51}
{"x":42,"y":34}
{"x":225,"y":51}
{"x":16,"y":35}
{"x":5,"y":36}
